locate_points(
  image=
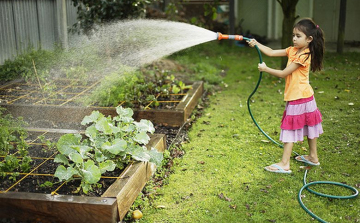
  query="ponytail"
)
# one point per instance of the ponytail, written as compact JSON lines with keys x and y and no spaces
{"x":317,"y":45}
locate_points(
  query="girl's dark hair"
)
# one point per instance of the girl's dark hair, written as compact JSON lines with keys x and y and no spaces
{"x":317,"y":45}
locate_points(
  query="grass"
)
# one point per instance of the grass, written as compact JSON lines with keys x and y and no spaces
{"x":221,"y":177}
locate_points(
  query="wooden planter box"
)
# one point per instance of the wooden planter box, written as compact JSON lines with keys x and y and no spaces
{"x":111,"y":207}
{"x":53,"y":113}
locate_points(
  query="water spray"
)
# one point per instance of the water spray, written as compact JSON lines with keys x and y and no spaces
{"x":306,"y":186}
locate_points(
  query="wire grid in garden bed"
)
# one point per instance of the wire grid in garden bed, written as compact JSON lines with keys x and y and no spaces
{"x":43,"y":169}
{"x":65,"y":92}
{"x":59,"y":93}
{"x":111,"y":207}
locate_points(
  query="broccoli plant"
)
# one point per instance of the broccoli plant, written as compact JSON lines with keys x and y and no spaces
{"x":108,"y":143}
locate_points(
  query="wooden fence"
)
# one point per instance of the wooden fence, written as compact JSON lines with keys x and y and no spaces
{"x":28,"y":24}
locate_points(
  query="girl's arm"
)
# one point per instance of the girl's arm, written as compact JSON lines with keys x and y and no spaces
{"x":267,"y":50}
{"x":279,"y":73}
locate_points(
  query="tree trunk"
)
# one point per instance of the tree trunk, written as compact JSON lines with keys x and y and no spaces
{"x":232,"y":19}
{"x":341,"y":31}
{"x":289,"y":12}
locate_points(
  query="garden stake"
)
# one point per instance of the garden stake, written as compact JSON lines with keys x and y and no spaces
{"x":306,"y":185}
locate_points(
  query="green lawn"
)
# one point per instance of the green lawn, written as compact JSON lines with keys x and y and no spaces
{"x":221,"y":177}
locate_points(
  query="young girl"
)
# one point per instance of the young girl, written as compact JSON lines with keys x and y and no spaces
{"x":301,"y":116}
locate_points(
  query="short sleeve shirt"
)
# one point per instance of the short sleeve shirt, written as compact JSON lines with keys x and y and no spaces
{"x":297,"y":84}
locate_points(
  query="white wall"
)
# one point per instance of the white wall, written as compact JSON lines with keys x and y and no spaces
{"x":264,"y":17}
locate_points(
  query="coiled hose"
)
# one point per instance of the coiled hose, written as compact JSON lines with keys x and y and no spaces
{"x":306,"y":185}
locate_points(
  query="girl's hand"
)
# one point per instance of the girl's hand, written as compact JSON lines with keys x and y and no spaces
{"x":262,"y":66}
{"x":252,"y":42}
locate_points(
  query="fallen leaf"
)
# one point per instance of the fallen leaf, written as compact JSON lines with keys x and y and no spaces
{"x":303,"y":148}
{"x":223,"y":197}
{"x":232,"y":206}
{"x":347,"y":90}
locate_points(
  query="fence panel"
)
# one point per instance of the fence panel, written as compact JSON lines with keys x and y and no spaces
{"x":71,"y":13}
{"x":7,"y":32}
{"x":26,"y":24}
{"x":47,"y":23}
{"x":30,"y":24}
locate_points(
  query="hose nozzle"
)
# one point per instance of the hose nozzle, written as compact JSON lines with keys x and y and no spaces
{"x":234,"y":37}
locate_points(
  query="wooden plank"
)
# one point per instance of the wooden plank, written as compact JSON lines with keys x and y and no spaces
{"x":157,"y":141}
{"x":133,"y":178}
{"x":127,"y":188}
{"x":161,"y":116}
{"x":188,"y":104}
{"x":60,"y":208}
{"x":66,"y":114}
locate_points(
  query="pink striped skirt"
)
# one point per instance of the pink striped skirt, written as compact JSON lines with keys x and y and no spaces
{"x":301,"y":118}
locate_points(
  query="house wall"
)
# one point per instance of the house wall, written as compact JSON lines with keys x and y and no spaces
{"x":264,"y":17}
{"x":326,"y":14}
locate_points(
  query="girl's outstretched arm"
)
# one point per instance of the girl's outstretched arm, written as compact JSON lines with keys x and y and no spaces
{"x":267,"y":50}
{"x":279,"y":73}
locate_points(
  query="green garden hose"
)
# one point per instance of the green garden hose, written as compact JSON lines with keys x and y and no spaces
{"x":249,"y":99}
{"x":306,"y":185}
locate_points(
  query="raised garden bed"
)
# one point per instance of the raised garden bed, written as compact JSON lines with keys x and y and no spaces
{"x":60,"y":115}
{"x":110,"y":207}
{"x":26,"y":101}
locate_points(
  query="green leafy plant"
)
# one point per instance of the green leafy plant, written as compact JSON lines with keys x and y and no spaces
{"x":137,"y":88}
{"x":92,"y":12}
{"x":13,"y":176}
{"x":50,"y":145}
{"x":109,"y":143}
{"x":13,"y":146}
{"x":47,"y":184}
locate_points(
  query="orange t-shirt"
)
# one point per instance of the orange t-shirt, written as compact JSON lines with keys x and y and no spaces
{"x":297,"y":84}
